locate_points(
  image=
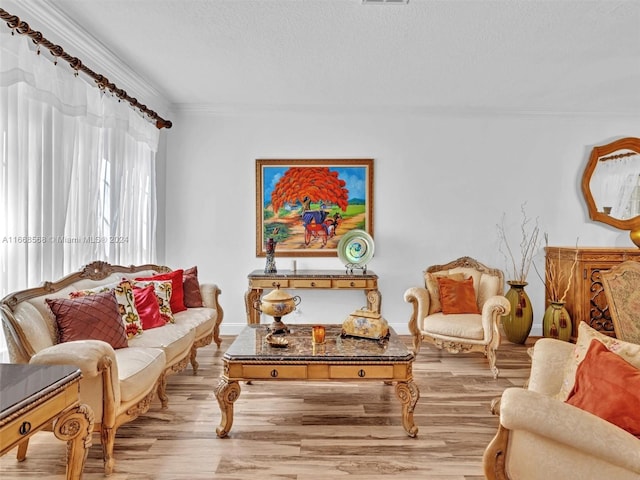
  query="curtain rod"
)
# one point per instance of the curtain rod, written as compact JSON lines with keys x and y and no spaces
{"x":57,"y":51}
{"x":620,"y":155}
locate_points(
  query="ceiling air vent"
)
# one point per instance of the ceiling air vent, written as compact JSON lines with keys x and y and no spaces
{"x":385,"y":2}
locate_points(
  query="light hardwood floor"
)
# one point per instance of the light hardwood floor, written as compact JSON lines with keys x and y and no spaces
{"x":304,"y":431}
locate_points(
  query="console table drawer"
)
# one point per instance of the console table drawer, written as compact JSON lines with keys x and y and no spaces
{"x":354,"y":283}
{"x":361,"y":371}
{"x":275,"y":371}
{"x":283,"y":283}
{"x":311,"y":283}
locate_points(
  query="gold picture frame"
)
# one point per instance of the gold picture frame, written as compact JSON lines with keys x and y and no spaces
{"x":316,"y":201}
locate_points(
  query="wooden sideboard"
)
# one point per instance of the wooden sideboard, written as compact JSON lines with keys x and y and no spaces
{"x":586,"y":299}
{"x":310,"y":279}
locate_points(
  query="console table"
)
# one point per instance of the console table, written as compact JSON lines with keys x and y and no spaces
{"x":310,"y":279}
{"x":33,"y":397}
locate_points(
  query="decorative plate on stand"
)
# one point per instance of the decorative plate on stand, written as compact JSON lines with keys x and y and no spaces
{"x":355,"y":249}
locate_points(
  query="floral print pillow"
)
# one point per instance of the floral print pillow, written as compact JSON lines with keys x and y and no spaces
{"x":126,"y":304}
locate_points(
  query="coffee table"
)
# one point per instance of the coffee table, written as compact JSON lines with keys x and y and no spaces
{"x":250,"y":357}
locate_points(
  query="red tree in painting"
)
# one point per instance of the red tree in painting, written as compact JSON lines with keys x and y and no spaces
{"x":316,"y":183}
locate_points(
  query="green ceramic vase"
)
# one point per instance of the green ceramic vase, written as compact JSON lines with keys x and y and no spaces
{"x":517,"y":324}
{"x":556,"y":322}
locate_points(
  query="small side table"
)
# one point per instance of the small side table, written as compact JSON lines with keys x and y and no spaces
{"x":33,"y":397}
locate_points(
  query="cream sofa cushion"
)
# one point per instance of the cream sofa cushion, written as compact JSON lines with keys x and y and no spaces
{"x":39,"y":332}
{"x":202,"y":319}
{"x":174,"y":340}
{"x":455,"y":325}
{"x":138,"y":370}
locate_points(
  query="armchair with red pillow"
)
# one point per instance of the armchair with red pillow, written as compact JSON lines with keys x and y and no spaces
{"x":459,"y":308}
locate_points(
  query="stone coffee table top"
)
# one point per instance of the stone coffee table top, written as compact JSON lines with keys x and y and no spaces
{"x":251,"y":344}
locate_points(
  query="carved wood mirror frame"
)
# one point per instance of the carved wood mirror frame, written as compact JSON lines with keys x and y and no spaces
{"x":632,"y":224}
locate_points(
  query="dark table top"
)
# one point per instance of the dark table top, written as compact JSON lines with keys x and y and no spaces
{"x":23,"y":384}
{"x":250,"y":345}
{"x":313,"y":273}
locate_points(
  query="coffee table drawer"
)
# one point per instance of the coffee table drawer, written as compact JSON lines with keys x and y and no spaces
{"x":275,"y":371}
{"x":311,"y":283}
{"x":361,"y":371}
{"x":269,"y":283}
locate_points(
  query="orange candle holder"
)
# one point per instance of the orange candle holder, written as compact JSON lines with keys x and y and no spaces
{"x":317,"y":333}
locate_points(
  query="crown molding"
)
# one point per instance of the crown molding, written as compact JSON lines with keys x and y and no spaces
{"x":74,"y":39}
{"x":420,"y":110}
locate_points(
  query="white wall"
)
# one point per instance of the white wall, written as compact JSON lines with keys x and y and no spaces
{"x":442,"y":183}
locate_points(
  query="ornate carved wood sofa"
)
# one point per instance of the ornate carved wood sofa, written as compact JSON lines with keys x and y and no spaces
{"x":118,"y":384}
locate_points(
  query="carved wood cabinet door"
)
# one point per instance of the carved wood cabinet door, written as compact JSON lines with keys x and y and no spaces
{"x":586,"y":300}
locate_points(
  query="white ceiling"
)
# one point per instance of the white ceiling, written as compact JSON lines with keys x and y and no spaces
{"x":534,"y":56}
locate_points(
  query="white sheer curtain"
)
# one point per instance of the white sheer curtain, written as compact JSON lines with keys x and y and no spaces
{"x":77,"y":172}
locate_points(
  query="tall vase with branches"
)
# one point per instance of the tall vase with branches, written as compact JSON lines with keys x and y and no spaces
{"x":517,"y":324}
{"x":556,"y":322}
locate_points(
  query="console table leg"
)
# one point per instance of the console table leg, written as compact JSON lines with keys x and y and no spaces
{"x":75,"y":427}
{"x":408,"y":394}
{"x":227,"y":392}
{"x":250,"y":297}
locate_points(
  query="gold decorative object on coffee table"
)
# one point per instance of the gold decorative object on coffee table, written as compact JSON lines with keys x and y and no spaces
{"x":339,"y":359}
{"x":276,"y":341}
{"x":365,"y":324}
{"x":277,"y":303}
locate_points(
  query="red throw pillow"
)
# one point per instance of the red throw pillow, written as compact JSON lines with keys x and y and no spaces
{"x":457,"y":296}
{"x":148,"y":307}
{"x":92,"y":317}
{"x":191,"y":287}
{"x":177,"y":292}
{"x":608,"y":386}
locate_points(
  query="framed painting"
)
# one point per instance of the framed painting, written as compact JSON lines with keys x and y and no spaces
{"x":306,"y":206}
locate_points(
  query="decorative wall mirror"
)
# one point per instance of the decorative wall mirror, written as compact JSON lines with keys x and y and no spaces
{"x":611,"y":185}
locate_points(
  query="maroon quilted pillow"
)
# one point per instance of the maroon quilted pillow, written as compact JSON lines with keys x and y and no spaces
{"x":92,"y":317}
{"x":191,"y":287}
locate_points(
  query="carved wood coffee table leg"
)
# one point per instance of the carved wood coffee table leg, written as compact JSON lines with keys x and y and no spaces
{"x":75,"y":427}
{"x":408,"y":394}
{"x":227,"y":392}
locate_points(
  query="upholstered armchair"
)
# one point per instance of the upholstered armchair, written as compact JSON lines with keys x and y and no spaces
{"x":544,"y":434}
{"x":459,"y":309}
